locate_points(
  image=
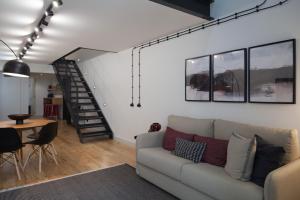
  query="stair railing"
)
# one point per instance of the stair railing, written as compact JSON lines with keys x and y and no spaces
{"x":74,"y":104}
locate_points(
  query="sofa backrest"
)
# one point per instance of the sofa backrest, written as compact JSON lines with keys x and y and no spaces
{"x":201,"y":127}
{"x":287,"y":138}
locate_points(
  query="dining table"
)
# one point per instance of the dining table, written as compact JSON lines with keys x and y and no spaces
{"x":29,"y":124}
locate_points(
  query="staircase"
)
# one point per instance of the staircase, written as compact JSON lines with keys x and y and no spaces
{"x":85,"y":112}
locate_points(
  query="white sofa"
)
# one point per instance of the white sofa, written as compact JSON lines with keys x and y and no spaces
{"x":203,"y":181}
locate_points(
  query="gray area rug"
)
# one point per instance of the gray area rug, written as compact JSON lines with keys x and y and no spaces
{"x":116,"y":183}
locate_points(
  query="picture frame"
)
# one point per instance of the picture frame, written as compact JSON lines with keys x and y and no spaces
{"x":272,"y":73}
{"x":229,"y":76}
{"x":198,"y":79}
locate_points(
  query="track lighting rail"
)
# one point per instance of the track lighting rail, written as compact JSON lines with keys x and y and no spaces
{"x":44,"y":21}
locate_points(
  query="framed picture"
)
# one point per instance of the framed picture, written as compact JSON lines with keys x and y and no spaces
{"x":229,"y":76}
{"x":272,"y":71}
{"x":198,"y":79}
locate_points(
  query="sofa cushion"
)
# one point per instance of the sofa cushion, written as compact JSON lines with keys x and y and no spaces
{"x":191,"y":125}
{"x":216,"y":183}
{"x":268,"y":158}
{"x":170,"y":138}
{"x":162,"y":161}
{"x":215,"y":151}
{"x":189,"y":150}
{"x":240,"y":157}
{"x":286,"y":138}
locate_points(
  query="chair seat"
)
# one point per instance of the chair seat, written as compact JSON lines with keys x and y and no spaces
{"x":11,"y":149}
{"x":34,"y":142}
{"x":162,"y":161}
{"x":33,"y":136}
{"x":215,"y":182}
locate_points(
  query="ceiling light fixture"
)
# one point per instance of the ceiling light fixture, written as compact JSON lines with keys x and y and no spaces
{"x":38,"y":29}
{"x":49,"y":13}
{"x":44,"y":22}
{"x":57,"y":3}
{"x":41,"y":25}
{"x":17,"y":67}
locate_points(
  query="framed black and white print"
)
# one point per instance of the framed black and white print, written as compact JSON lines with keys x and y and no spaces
{"x":272,"y":73}
{"x":198,"y":79}
{"x":229,"y":76}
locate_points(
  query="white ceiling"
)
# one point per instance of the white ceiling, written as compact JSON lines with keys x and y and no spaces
{"x":109,"y":25}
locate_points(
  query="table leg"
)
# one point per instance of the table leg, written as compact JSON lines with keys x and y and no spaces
{"x":1,"y":157}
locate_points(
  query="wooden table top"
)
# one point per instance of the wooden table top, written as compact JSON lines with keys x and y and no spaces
{"x":29,"y":123}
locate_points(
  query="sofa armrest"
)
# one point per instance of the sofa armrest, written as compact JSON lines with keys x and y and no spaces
{"x":146,"y":140}
{"x":283,"y":183}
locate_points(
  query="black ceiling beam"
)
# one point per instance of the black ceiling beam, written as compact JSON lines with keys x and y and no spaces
{"x":199,"y":8}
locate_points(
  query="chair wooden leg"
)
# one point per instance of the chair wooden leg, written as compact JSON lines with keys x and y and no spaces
{"x":26,"y":162}
{"x":17,"y":165}
{"x":40,"y":159}
{"x":53,"y":154}
{"x":52,"y":145}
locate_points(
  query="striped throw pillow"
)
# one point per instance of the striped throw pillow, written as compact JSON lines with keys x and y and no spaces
{"x":189,"y":150}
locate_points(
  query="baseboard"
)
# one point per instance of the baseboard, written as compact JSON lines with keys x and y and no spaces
{"x":125,"y":141}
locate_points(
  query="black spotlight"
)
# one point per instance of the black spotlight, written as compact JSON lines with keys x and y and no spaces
{"x":49,"y":13}
{"x":16,"y":68}
{"x":45,"y":23}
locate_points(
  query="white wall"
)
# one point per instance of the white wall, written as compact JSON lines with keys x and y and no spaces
{"x":14,"y":96}
{"x":163,"y":74}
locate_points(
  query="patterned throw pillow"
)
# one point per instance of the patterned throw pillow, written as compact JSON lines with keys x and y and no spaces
{"x":189,"y":150}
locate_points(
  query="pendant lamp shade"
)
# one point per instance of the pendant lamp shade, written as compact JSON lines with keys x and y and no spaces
{"x":16,"y":68}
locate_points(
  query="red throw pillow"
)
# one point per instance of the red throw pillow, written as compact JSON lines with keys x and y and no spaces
{"x":170,"y":138}
{"x":215,"y":152}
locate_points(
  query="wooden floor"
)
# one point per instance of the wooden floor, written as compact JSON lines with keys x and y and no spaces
{"x":73,"y":158}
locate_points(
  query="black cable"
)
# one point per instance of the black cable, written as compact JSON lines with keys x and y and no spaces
{"x":212,"y":23}
{"x":139,"y":97}
{"x":9,"y":48}
{"x":132,"y":77}
{"x":219,"y":21}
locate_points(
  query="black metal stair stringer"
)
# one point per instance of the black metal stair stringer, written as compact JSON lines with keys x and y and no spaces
{"x":85,"y":112}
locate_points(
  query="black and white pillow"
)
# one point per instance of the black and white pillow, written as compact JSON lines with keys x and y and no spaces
{"x":189,"y":150}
